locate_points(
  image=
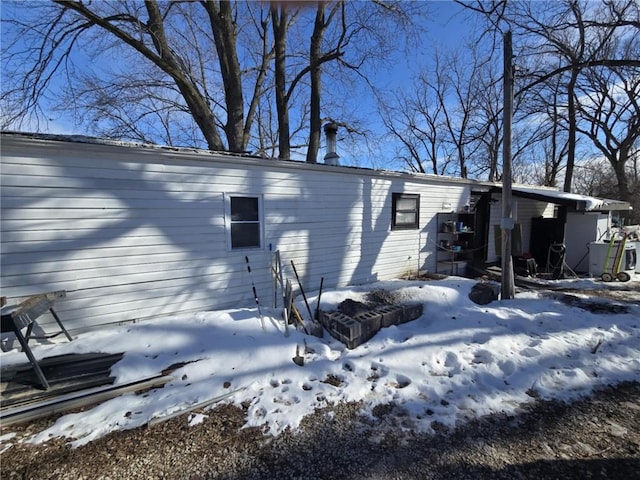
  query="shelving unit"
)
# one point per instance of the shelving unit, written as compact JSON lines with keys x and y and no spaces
{"x":456,"y":240}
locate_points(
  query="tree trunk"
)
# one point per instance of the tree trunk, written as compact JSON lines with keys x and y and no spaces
{"x":315,"y":122}
{"x":621,"y":175}
{"x":224,"y":31}
{"x":279,"y":22}
{"x":571,"y":151}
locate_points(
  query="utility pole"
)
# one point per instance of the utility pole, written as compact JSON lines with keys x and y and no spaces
{"x":506,"y":224}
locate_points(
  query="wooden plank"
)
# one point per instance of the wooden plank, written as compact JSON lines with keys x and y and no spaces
{"x":61,"y":360}
{"x":78,"y":400}
{"x":18,"y":398}
{"x":64,"y":373}
{"x":29,"y":309}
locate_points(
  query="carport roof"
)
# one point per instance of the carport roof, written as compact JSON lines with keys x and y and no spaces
{"x":577,"y":202}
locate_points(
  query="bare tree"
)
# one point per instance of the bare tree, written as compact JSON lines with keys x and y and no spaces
{"x":316,"y":59}
{"x":416,"y":120}
{"x":596,"y":177}
{"x":449,"y":122}
{"x":162,"y":35}
{"x":196,"y":73}
{"x":609,"y":107}
{"x":548,"y":103}
{"x":565,"y":40}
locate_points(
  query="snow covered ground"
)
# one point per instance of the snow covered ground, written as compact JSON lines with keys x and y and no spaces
{"x":456,"y":362}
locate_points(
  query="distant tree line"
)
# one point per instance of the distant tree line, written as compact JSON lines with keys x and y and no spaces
{"x":577,"y":99}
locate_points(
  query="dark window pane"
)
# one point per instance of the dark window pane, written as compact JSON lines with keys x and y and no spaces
{"x":244,"y":235}
{"x":244,"y":209}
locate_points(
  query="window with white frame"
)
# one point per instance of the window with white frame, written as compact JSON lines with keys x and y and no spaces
{"x":244,"y":221}
{"x":405,"y":211}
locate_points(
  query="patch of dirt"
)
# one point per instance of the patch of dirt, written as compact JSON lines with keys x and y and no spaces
{"x":352,"y":308}
{"x":596,"y":437}
{"x":375,"y":298}
{"x":592,"y":304}
{"x":617,"y":291}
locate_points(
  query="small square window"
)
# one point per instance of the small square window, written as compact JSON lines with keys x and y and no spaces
{"x":405,"y":211}
{"x":244,"y":222}
{"x":244,"y":209}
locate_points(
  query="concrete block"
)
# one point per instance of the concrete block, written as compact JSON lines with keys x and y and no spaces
{"x":325,"y":319}
{"x":330,"y":319}
{"x":411,"y":311}
{"x":391,"y":315}
{"x":370,"y":323}
{"x":351,"y":344}
{"x":343,"y":328}
{"x":348,"y":328}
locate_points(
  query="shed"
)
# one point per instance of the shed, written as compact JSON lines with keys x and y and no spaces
{"x":550,"y":216}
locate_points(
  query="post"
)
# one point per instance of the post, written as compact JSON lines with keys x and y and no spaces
{"x":507,"y":287}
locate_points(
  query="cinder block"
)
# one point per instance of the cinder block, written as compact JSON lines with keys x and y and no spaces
{"x":330,"y":319}
{"x":370,"y":323}
{"x":391,"y":315}
{"x":343,"y":328}
{"x":348,"y":331}
{"x":348,"y":328}
{"x":351,"y":344}
{"x":325,"y":319}
{"x":411,"y":311}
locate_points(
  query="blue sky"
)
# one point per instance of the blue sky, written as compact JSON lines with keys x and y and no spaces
{"x":446,"y":28}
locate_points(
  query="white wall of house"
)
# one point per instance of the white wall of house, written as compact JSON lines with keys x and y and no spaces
{"x":524,"y":210}
{"x":135,"y":232}
{"x":581,"y":229}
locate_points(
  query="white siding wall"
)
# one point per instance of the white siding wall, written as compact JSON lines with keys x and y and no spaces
{"x":524,"y":210}
{"x":581,"y":229}
{"x":131,"y":232}
{"x":528,"y":209}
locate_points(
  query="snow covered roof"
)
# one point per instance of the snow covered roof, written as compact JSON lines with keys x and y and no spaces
{"x":580,"y":203}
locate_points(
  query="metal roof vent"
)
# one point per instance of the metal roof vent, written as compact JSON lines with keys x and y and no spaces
{"x":331,"y":157}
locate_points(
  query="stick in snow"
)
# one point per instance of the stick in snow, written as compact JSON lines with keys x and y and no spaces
{"x":255,"y":293}
{"x":274,"y":268}
{"x":319,"y":295}
{"x":302,"y":290}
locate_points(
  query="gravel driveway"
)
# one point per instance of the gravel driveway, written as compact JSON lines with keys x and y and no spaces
{"x":598,"y":437}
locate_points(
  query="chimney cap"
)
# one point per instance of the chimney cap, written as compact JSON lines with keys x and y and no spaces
{"x":331,"y":127}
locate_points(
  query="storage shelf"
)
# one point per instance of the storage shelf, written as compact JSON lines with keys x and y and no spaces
{"x":454,"y":229}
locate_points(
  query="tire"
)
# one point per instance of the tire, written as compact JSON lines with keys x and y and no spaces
{"x":623,"y":276}
{"x":607,"y":277}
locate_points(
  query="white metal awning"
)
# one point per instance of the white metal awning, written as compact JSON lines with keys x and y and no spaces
{"x":579,"y":203}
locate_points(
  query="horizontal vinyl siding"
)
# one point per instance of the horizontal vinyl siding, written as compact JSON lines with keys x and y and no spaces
{"x":524,"y":210}
{"x":528,"y":209}
{"x":132,"y":234}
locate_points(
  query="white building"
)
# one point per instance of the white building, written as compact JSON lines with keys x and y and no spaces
{"x":132,"y":232}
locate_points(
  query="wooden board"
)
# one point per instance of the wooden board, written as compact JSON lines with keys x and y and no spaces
{"x":65,"y":374}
